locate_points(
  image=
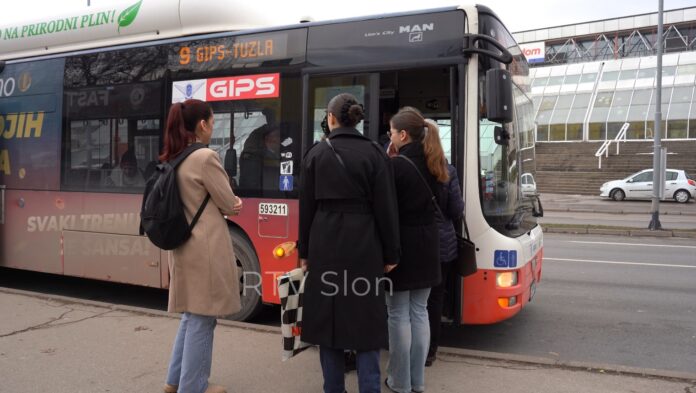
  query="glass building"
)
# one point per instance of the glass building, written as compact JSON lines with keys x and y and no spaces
{"x":589,"y":79}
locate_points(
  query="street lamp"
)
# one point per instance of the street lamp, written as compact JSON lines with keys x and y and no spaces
{"x":657,"y":161}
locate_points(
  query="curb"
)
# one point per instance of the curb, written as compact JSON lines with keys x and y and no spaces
{"x":134,"y":309}
{"x":617,"y":231}
{"x":614,"y":211}
{"x":455,"y":352}
{"x":601,"y":368}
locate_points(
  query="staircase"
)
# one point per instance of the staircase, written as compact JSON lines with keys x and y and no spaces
{"x":571,"y":168}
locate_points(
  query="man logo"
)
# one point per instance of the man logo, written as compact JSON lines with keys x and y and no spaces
{"x":417,"y":28}
{"x":24,"y":82}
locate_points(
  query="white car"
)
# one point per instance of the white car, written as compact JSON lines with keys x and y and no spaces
{"x":678,"y":186}
{"x":529,"y":187}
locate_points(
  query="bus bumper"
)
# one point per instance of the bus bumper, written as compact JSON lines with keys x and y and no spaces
{"x":485,"y":302}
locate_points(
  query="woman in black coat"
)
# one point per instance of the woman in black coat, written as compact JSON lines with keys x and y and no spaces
{"x":419,"y":171}
{"x":348,"y":239}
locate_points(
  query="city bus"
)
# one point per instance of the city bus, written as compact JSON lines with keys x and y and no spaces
{"x":84,"y":98}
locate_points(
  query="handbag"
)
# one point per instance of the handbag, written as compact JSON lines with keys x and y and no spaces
{"x":465,"y":264}
{"x":291,"y":288}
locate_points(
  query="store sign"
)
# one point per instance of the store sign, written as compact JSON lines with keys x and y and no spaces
{"x":534,"y":51}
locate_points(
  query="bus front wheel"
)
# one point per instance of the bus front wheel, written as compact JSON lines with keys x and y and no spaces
{"x":249,"y":276}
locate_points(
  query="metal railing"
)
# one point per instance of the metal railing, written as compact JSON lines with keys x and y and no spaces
{"x":604,"y":149}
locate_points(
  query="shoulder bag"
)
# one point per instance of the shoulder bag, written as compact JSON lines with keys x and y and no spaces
{"x":465,"y":264}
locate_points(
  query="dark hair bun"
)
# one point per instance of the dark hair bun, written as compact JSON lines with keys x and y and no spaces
{"x":356,"y":113}
{"x":347,"y":109}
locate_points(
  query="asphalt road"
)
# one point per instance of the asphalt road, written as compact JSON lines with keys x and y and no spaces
{"x":618,"y":300}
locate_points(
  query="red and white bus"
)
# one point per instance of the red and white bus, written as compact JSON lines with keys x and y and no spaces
{"x":83,"y":100}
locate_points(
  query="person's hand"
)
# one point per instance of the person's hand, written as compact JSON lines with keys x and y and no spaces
{"x":303,"y":264}
{"x":389,"y":268}
{"x":237,"y":208}
{"x":391,"y":150}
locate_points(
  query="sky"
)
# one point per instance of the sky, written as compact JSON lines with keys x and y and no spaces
{"x":518,"y":15}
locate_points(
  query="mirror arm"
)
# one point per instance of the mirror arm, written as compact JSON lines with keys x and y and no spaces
{"x":469,"y":47}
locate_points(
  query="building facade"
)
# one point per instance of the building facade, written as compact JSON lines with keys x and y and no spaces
{"x":588,"y":80}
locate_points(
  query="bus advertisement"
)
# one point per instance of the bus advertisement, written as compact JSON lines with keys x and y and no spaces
{"x":82,"y":124}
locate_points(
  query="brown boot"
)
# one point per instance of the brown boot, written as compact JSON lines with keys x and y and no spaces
{"x":170,"y":388}
{"x":215,"y":389}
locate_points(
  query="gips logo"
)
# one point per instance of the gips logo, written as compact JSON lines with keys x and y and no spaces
{"x":243,"y":87}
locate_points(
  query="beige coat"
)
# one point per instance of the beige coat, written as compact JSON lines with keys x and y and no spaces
{"x":203,"y":271}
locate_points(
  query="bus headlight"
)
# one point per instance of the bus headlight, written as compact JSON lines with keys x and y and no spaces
{"x":506,"y":279}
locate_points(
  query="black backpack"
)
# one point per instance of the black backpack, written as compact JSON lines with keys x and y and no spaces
{"x":162,"y":215}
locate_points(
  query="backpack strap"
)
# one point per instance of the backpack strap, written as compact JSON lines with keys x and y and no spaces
{"x":199,"y":212}
{"x":185,"y":153}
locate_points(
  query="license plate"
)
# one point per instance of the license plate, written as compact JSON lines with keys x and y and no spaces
{"x":273,"y":209}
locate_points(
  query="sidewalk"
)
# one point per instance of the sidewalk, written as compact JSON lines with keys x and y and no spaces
{"x":60,"y":345}
{"x":595,"y":215}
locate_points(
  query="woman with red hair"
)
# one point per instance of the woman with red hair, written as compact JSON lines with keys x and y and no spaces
{"x":203,"y":271}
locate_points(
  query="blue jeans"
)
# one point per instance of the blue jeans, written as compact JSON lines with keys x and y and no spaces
{"x":409,"y":338}
{"x":192,"y":355}
{"x":333,"y":367}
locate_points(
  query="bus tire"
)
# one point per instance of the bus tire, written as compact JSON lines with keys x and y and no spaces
{"x":249,"y":276}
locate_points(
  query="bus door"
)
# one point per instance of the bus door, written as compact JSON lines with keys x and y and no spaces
{"x":320,"y":89}
{"x":436,"y":92}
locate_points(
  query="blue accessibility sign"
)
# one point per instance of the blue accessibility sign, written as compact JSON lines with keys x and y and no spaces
{"x":505,"y":258}
{"x":286,"y":183}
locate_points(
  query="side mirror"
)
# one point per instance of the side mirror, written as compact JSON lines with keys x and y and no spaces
{"x":499,"y":96}
{"x":501,"y":136}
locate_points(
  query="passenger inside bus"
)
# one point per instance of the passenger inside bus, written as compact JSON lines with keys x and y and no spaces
{"x":230,"y":164}
{"x":127,"y":173}
{"x":259,"y":162}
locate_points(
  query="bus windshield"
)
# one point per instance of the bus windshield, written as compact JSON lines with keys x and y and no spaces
{"x":507,"y":172}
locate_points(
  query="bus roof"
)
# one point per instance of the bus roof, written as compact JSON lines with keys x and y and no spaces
{"x":145,"y":22}
{"x":142,"y":20}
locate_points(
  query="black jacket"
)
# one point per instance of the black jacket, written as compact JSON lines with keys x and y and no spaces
{"x":452,"y":207}
{"x":419,"y":265}
{"x":348,"y":232}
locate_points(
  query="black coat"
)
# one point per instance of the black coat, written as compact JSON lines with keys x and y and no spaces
{"x":419,"y":265}
{"x":348,"y":232}
{"x":452,"y":207}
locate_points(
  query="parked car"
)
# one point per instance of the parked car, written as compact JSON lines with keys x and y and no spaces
{"x":529,"y":187}
{"x":678,"y":186}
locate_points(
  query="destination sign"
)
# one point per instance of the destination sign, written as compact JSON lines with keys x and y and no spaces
{"x":233,"y":50}
{"x":225,"y":53}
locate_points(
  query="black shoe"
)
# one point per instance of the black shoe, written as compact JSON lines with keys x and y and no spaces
{"x":430,"y":360}
{"x":387,"y":385}
{"x":349,"y":361}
